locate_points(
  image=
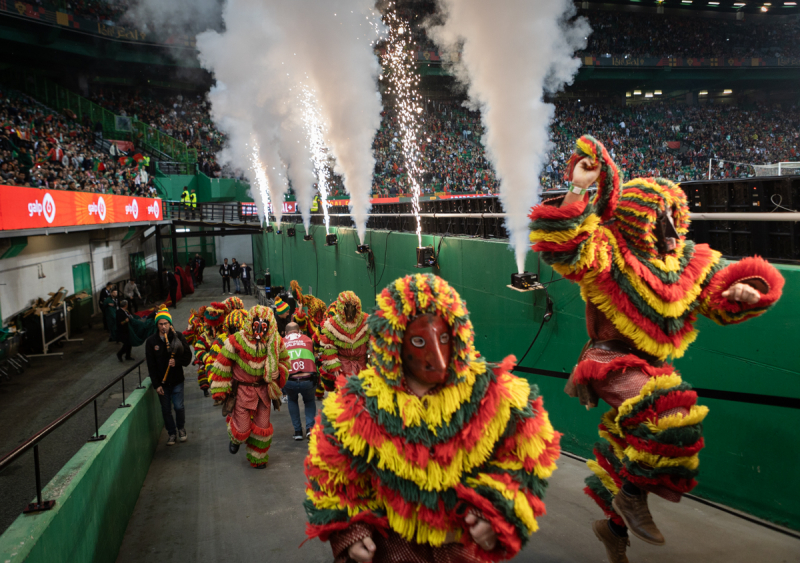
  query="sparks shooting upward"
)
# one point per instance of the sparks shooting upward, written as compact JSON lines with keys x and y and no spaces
{"x":404,"y":83}
{"x":319,"y":151}
{"x":262,"y":185}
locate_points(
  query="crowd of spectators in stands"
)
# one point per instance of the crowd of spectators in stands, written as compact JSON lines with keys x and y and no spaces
{"x":659,"y":35}
{"x":42,"y":149}
{"x":656,"y":139}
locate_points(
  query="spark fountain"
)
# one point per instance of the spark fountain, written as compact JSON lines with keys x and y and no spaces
{"x":319,"y":150}
{"x":262,"y":185}
{"x":404,"y":85}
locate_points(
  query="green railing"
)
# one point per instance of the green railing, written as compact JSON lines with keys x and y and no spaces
{"x":63,"y":100}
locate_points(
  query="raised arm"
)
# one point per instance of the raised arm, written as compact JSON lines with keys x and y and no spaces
{"x":565,"y":230}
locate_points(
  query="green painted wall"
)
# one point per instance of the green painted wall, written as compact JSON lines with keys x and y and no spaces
{"x":751,"y":458}
{"x":170,"y":187}
{"x":208,"y":189}
{"x":95,"y":492}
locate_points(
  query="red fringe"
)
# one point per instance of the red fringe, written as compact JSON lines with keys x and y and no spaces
{"x":553,"y":213}
{"x":665,"y":450}
{"x":753,"y":267}
{"x":263,"y":432}
{"x":607,"y":510}
{"x":323,"y":531}
{"x":506,"y":532}
{"x":589,"y":370}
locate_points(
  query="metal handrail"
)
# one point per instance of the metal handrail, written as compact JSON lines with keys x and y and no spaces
{"x":33,"y":441}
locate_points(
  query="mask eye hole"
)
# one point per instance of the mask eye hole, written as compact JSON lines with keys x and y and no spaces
{"x":444,"y":338}
{"x":418,"y":341}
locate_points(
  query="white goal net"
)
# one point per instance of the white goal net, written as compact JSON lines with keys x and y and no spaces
{"x":777,"y":169}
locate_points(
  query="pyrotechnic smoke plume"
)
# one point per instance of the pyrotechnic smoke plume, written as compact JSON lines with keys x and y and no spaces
{"x":512,"y":52}
{"x":269,"y":52}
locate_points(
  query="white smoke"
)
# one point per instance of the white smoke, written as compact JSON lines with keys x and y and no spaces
{"x":271,"y":50}
{"x":512,"y":53}
{"x":172,"y":16}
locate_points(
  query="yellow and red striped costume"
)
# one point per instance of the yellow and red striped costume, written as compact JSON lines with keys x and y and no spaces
{"x":405,"y":470}
{"x":648,"y":303}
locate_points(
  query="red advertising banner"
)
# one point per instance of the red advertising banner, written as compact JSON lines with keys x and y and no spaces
{"x":33,"y":208}
{"x":288,"y":207}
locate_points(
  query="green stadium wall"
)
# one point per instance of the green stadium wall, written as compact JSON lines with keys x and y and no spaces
{"x":750,"y":461}
{"x":95,"y":492}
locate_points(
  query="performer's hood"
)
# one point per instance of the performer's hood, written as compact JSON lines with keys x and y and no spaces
{"x":642,"y":210}
{"x":236,"y":320}
{"x":401,"y":302}
{"x":348,"y":308}
{"x":214,"y":314}
{"x":261,"y":314}
{"x":233,"y":302}
{"x":639,"y":206}
{"x":316,"y":306}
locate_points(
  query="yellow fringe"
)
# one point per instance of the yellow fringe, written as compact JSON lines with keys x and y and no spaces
{"x":654,"y":460}
{"x":433,"y":477}
{"x":677,"y":420}
{"x":655,"y":383}
{"x":522,"y":507}
{"x":589,"y":225}
{"x":603,"y":475}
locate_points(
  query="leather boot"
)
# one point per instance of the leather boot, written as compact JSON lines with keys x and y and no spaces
{"x":233,"y":448}
{"x":634,"y":512}
{"x":615,"y":545}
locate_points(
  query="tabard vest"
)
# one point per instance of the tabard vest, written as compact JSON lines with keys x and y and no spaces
{"x":301,"y":354}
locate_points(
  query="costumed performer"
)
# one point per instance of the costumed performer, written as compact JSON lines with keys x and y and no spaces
{"x":252,"y":368}
{"x":344,"y":340}
{"x":234,"y":322}
{"x":213,"y":320}
{"x":644,"y":284}
{"x":430,"y":453}
{"x":309,"y":315}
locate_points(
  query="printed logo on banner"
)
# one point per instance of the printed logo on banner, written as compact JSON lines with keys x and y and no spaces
{"x":98,"y":208}
{"x":155,"y":209}
{"x":49,"y":207}
{"x":132,"y":209}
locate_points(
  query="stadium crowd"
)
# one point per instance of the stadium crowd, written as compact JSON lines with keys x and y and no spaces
{"x":42,"y":149}
{"x":659,"y":35}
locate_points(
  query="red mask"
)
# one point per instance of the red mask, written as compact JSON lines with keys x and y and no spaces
{"x":427,"y":349}
{"x":260,"y":328}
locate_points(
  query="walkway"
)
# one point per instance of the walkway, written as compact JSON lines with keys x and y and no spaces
{"x":201,"y":504}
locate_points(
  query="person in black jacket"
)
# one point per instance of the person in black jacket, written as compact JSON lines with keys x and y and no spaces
{"x":123,"y":334}
{"x":225,"y":271}
{"x":173,"y":288}
{"x":246,"y":277}
{"x":167,"y":353}
{"x":200,"y":266}
{"x":104,"y":294}
{"x":236,"y":272}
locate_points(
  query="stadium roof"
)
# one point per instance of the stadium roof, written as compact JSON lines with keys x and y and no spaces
{"x":778,"y":7}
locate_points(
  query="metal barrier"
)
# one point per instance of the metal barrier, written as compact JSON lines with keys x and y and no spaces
{"x":33,"y":441}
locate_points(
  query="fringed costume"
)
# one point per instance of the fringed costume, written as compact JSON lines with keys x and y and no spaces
{"x":253,"y":365}
{"x":641,"y":307}
{"x":309,"y":315}
{"x":213,"y":319}
{"x":344,"y":338}
{"x":406,"y":470}
{"x":234,"y":322}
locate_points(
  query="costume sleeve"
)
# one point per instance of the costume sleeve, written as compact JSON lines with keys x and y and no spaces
{"x":222,"y":371}
{"x":301,"y":317}
{"x":568,"y":237}
{"x":330,"y":366}
{"x":755,"y":272}
{"x":339,"y":492}
{"x":284,"y":364}
{"x":212,"y":353}
{"x":509,"y":489}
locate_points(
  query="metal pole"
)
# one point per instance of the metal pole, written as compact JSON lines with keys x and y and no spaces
{"x":709,"y":168}
{"x":140,"y":378}
{"x":123,"y":404}
{"x":38,"y":474}
{"x":97,"y":437}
